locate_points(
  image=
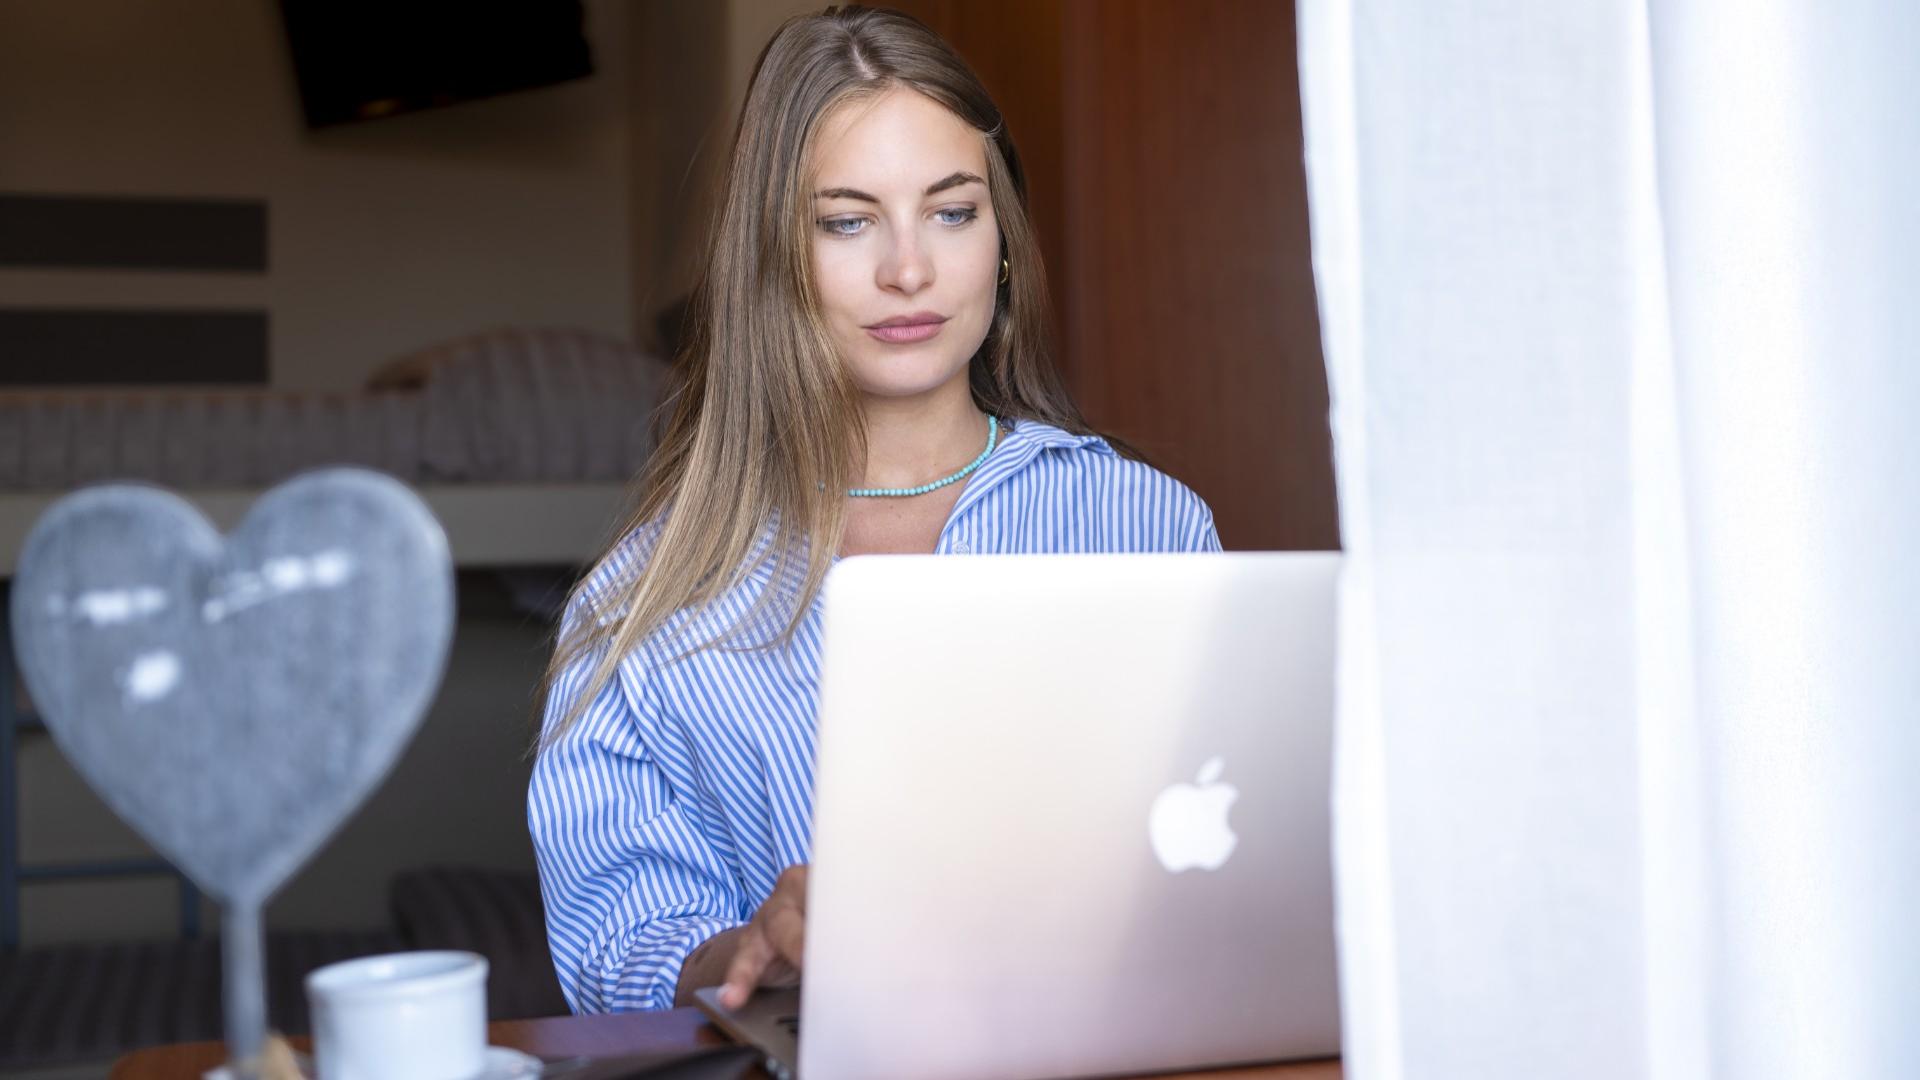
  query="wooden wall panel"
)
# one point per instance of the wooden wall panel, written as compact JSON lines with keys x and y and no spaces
{"x":1188,"y":299}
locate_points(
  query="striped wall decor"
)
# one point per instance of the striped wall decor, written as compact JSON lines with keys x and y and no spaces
{"x":96,"y":342}
{"x":105,"y":233}
{"x":103,"y":346}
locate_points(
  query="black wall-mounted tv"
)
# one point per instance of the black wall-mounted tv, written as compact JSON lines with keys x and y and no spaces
{"x":365,"y":59}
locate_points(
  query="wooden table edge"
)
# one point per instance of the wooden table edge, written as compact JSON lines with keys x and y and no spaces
{"x":610,"y":1035}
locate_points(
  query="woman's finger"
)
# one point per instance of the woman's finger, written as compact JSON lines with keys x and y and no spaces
{"x":750,"y":960}
{"x":786,"y":930}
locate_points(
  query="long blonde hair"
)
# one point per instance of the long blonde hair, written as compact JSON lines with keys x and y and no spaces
{"x":764,"y":426}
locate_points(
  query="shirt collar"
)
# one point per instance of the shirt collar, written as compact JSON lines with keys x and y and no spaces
{"x":1022,"y":441}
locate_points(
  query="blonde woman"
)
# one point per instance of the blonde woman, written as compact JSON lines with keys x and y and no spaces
{"x":868,"y":371}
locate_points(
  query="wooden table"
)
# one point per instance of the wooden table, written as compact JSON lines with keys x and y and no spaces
{"x":599,"y":1036}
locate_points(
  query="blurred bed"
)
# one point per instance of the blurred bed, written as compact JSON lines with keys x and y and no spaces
{"x":523,"y":441}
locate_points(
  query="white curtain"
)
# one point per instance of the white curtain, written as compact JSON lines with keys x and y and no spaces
{"x":1621,"y":306}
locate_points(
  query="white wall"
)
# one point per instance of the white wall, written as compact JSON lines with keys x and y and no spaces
{"x":383,"y":236}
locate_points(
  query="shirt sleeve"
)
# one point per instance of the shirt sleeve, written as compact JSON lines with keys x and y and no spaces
{"x":630,"y":884}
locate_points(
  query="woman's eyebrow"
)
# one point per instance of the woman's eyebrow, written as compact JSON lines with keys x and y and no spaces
{"x":938,"y":186}
{"x":954,"y":181}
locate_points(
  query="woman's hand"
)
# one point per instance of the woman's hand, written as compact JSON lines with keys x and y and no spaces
{"x":769,"y":947}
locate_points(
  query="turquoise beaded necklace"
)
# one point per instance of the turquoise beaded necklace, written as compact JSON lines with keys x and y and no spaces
{"x":993,"y":432}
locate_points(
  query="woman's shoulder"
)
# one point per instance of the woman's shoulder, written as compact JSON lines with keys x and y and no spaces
{"x":1094,"y":457}
{"x":1088,"y":469}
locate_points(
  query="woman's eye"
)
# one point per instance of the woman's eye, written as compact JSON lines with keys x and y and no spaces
{"x":846,"y":226}
{"x":964,"y":215}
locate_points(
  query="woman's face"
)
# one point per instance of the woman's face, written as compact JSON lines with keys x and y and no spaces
{"x":906,"y":249}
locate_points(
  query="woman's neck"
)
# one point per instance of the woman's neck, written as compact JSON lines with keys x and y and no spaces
{"x":911,"y":441}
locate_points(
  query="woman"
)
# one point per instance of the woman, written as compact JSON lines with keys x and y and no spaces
{"x":868,"y":372}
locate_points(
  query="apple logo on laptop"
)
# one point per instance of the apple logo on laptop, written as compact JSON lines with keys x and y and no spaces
{"x":1188,"y":822}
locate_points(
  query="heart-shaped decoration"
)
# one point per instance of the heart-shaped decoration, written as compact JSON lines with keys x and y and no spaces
{"x":234,"y":700}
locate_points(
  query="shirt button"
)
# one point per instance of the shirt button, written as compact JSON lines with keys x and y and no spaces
{"x":961,"y":547}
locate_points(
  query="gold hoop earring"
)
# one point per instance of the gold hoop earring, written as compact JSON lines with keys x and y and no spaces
{"x":1004,"y":268}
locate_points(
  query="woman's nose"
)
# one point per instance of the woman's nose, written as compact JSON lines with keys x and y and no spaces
{"x":906,"y":267}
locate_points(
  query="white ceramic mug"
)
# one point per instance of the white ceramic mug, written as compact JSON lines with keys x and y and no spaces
{"x":403,"y":1016}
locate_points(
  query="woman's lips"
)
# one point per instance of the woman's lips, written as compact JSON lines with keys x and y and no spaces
{"x":907,"y":329}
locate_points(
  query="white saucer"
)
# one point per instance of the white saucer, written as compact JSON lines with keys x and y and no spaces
{"x":506,"y":1063}
{"x":501,"y":1063}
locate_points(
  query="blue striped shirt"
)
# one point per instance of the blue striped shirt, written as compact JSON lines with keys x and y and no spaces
{"x":663,"y":816}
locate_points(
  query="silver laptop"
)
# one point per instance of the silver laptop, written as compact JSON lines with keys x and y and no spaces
{"x":1071,"y":819}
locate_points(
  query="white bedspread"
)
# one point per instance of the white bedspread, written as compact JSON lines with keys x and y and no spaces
{"x":507,"y":406}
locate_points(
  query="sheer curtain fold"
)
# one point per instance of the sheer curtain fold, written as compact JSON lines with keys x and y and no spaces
{"x":1618,"y":306}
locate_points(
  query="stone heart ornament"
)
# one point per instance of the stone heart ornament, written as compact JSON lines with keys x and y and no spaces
{"x":234,"y":700}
